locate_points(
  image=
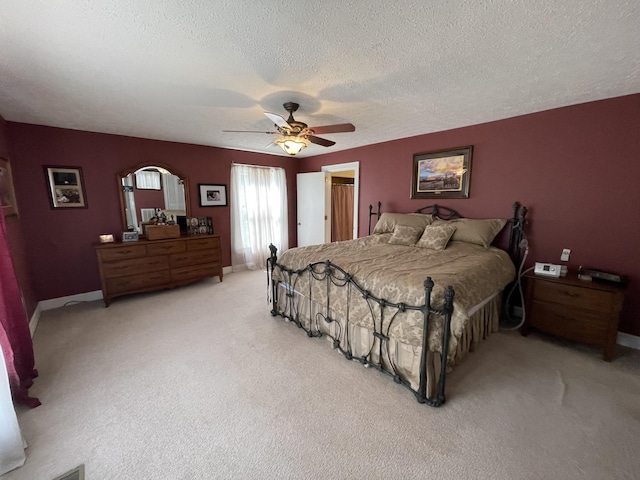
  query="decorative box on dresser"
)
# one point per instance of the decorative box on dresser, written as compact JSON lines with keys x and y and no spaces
{"x":147,"y":265}
{"x":574,"y":309}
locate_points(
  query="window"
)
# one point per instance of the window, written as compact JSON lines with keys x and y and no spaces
{"x":258,"y":214}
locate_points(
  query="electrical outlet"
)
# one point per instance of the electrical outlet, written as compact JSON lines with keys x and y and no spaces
{"x":565,"y":254}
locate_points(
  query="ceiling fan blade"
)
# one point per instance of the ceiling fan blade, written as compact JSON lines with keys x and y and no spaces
{"x":338,"y":128}
{"x":320,"y":141}
{"x":277,"y":119}
{"x":251,"y":131}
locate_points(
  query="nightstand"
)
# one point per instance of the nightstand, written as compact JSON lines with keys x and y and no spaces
{"x":573,"y":309}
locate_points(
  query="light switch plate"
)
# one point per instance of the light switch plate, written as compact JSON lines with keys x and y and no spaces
{"x":565,"y":254}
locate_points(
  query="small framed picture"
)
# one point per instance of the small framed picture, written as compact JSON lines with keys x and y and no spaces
{"x":130,"y":236}
{"x":107,"y":238}
{"x":212,"y":195}
{"x":66,"y":187}
{"x":7,"y":195}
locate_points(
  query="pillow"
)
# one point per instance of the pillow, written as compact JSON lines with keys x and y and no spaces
{"x":405,"y":235}
{"x":479,"y":232}
{"x":388,"y":221}
{"x":436,"y":237}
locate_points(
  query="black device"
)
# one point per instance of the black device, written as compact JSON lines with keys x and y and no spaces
{"x":182,"y":221}
{"x":602,"y":276}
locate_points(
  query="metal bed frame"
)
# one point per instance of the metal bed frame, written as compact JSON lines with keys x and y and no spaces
{"x":333,"y":274}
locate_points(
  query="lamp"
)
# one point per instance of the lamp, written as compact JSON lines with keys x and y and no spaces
{"x":292,"y":144}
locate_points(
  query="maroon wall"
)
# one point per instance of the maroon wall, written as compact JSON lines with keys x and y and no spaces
{"x":59,"y":246}
{"x":148,"y":199}
{"x":576,"y":168}
{"x":15,"y":235}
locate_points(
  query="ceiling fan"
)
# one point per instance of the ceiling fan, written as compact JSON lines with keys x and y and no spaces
{"x":294,"y":135}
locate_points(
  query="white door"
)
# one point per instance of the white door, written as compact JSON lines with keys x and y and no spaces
{"x":314,"y":208}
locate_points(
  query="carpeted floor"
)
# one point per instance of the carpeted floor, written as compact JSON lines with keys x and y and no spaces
{"x":202,"y":383}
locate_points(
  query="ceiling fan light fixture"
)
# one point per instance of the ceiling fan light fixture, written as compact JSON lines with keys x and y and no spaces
{"x":292,"y":144}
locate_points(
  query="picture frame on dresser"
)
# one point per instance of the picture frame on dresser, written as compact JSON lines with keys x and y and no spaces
{"x":212,"y":195}
{"x":442,"y":174}
{"x":66,"y":187}
{"x":7,"y":193}
{"x":130,"y":236}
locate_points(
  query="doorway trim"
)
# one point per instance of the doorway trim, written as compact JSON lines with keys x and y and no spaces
{"x":341,"y":167}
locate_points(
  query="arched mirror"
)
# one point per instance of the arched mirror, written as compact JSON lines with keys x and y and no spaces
{"x":148,"y":191}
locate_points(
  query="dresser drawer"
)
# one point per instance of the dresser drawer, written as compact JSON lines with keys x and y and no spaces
{"x":190,"y":273}
{"x":196,"y":257}
{"x":132,"y":283}
{"x":203,"y":243}
{"x":119,"y":253}
{"x":135,"y":265}
{"x":573,"y":296}
{"x":165,"y":248}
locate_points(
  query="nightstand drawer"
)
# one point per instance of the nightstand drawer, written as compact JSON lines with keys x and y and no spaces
{"x":573,"y":296}
{"x":568,"y":323}
{"x":573,"y":309}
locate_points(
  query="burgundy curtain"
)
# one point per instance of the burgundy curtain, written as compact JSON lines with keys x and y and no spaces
{"x":341,"y":212}
{"x":15,"y":337}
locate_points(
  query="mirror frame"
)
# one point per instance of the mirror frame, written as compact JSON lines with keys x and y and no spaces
{"x":130,"y":170}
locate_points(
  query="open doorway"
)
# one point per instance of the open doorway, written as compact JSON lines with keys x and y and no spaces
{"x":344,"y":200}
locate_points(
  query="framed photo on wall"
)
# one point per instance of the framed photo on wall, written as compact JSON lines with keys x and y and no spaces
{"x":66,"y":187}
{"x":444,"y":174}
{"x":212,"y":195}
{"x":7,"y":193}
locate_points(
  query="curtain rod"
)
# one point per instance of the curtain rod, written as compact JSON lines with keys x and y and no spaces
{"x":255,"y":166}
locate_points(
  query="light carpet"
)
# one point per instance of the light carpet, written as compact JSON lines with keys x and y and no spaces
{"x":201,"y":382}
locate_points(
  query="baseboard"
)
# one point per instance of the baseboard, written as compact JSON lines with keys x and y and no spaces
{"x":35,"y":318}
{"x":80,"y":297}
{"x":60,"y":302}
{"x":628,"y":340}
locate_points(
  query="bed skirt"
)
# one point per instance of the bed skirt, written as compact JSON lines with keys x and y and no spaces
{"x":398,"y":358}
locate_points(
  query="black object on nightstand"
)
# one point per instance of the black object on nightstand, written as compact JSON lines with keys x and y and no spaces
{"x":573,"y":309}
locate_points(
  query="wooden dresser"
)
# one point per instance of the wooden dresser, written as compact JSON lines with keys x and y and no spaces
{"x":147,"y":265}
{"x":585,"y":312}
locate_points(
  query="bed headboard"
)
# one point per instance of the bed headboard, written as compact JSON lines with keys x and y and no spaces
{"x":516,"y":223}
{"x":445,"y":213}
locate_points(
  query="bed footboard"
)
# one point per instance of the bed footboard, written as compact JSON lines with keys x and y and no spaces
{"x":383,"y":314}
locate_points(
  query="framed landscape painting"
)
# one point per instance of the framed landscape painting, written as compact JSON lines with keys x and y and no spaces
{"x":444,"y":174}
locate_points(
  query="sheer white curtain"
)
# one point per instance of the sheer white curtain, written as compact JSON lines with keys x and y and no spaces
{"x":130,"y":208}
{"x":258,"y":215}
{"x":173,"y":192}
{"x":146,"y":180}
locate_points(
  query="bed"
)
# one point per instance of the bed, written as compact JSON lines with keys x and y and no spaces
{"x":428,"y":278}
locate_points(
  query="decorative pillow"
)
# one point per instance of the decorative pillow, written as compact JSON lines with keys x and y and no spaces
{"x":404,"y":235}
{"x":436,"y":237}
{"x":479,"y":232}
{"x":388,"y":221}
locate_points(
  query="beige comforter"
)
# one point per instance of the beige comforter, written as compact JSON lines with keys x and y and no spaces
{"x":396,"y":273}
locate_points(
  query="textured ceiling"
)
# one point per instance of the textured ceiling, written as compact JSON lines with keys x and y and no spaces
{"x":186,"y":70}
